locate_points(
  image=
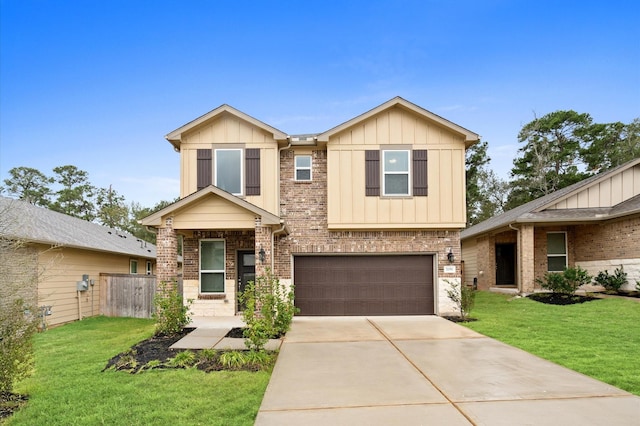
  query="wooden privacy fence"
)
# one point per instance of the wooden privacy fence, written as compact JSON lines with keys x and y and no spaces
{"x":126,"y":295}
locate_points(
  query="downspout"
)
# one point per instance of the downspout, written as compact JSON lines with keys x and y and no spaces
{"x":273,"y":246}
{"x":518,"y":263}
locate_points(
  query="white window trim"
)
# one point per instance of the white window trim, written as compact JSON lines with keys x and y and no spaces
{"x":385,"y":173}
{"x":149,"y":268}
{"x":210,"y":271}
{"x":131,"y":263}
{"x":296,"y":168}
{"x":566,"y":251}
{"x":215,"y":167}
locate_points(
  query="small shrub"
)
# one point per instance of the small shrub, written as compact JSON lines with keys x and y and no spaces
{"x":268,"y":311}
{"x":566,"y":282}
{"x":171,"y":313}
{"x":183,"y":359}
{"x":17,"y":327}
{"x":464,"y":298}
{"x":638,"y":285}
{"x":612,"y":282}
{"x":260,"y":359}
{"x":233,"y":359}
{"x":154,"y":363}
{"x":207,"y":355}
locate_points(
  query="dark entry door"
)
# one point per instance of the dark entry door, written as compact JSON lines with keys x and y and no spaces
{"x":506,"y":264}
{"x":246,"y":271}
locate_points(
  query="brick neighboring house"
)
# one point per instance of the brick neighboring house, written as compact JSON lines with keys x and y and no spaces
{"x":594,"y":224}
{"x":364,"y":219}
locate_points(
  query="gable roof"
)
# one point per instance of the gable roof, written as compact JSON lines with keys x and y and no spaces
{"x":469,"y":136}
{"x":534,"y":211}
{"x":155,"y":219}
{"x":175,"y":137}
{"x":24,"y":221}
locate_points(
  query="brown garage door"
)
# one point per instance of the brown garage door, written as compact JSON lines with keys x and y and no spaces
{"x":364,"y":285}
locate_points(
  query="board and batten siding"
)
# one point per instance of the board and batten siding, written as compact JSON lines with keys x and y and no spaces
{"x":614,"y":190}
{"x":470,"y":258}
{"x":61,"y":268}
{"x":348,"y":205}
{"x":229,"y":130}
{"x":214,"y":213}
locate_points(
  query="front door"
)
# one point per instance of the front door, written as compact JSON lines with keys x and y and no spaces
{"x":506,"y":264}
{"x":246,"y":271}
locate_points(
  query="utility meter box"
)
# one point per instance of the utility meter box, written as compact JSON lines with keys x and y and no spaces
{"x":82,"y":285}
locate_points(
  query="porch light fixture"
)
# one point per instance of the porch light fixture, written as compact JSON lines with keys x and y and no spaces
{"x":450,"y":256}
{"x":261,"y":255}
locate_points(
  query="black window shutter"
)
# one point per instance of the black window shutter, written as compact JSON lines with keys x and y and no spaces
{"x":372,"y":173}
{"x":420,"y":187}
{"x":204,"y":168}
{"x":252,"y":171}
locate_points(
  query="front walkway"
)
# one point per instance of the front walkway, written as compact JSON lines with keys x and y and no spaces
{"x":426,"y":370}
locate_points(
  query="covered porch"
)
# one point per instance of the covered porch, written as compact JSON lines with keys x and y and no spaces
{"x":226,"y":242}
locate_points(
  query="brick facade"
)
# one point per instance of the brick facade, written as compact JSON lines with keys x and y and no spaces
{"x":167,"y":252}
{"x":304,"y":208}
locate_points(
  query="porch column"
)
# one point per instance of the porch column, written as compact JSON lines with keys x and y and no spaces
{"x":527,"y":259}
{"x":262,"y":244}
{"x":167,"y":252}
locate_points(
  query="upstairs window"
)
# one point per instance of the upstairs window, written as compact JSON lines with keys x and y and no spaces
{"x":228,"y":170}
{"x":395,"y":170}
{"x":212,"y":262}
{"x":303,"y":168}
{"x":556,"y":251}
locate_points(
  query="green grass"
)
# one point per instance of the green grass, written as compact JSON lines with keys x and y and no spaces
{"x":68,"y":387}
{"x":600,"y":338}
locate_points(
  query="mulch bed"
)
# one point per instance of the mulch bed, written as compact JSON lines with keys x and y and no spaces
{"x":560,"y":299}
{"x":157,"y":348}
{"x":10,"y":403}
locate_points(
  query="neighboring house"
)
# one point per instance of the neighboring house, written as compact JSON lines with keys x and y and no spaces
{"x":594,"y":224}
{"x":63,"y":250}
{"x":362,"y":219}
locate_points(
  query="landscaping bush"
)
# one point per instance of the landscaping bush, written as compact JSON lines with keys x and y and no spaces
{"x":17,"y":327}
{"x":268,"y":311}
{"x":566,"y":282}
{"x":612,"y":282}
{"x":171,"y":312}
{"x":464,"y":298}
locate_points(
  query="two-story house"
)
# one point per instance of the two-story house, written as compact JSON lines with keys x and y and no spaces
{"x":363,"y":219}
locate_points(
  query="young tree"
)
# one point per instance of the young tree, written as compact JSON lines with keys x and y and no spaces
{"x":30,"y":185}
{"x":550,"y":159}
{"x":138,"y":213}
{"x":111,"y":209}
{"x":76,"y":196}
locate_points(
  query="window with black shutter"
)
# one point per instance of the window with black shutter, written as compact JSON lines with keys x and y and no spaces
{"x":252,"y":170}
{"x":204,"y":168}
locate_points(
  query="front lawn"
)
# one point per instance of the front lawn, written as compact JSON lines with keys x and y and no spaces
{"x":600,"y":338}
{"x":69,"y":387}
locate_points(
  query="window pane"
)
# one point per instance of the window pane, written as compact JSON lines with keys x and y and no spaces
{"x":303,"y":174}
{"x":249,"y":259}
{"x":556,"y":243}
{"x":133,"y":267}
{"x":212,"y":256}
{"x":229,"y":170}
{"x":396,"y":184}
{"x":556,"y":263}
{"x":303,"y":161}
{"x":212,"y":282}
{"x":396,"y":161}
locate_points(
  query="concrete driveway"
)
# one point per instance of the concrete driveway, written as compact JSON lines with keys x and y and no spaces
{"x":425,"y":370}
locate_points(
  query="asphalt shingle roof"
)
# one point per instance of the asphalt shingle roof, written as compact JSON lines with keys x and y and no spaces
{"x":21,"y":220}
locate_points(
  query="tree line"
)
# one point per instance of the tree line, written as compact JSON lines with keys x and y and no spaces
{"x":558,"y":150}
{"x":69,"y":191}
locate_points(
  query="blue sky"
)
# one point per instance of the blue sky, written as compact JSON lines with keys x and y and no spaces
{"x":98,"y":84}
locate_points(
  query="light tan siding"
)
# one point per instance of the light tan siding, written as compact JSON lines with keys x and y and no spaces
{"x":470,"y":258}
{"x":607,"y":193}
{"x":63,"y":267}
{"x":214,"y":213}
{"x":230,"y":130}
{"x":349,"y":208}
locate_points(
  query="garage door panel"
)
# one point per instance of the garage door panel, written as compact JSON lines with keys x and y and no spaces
{"x":364,"y":285}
